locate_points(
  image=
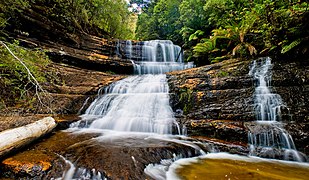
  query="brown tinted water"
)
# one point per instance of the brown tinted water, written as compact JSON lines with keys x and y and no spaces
{"x":236,"y":167}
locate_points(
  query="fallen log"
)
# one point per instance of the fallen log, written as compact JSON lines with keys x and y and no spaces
{"x":13,"y":139}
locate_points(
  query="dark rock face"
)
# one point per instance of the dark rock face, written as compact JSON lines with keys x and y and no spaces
{"x":88,"y":52}
{"x":224,"y":91}
{"x":212,"y":92}
{"x":291,"y":81}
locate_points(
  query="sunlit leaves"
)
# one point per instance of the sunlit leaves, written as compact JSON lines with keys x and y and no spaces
{"x":196,"y":35}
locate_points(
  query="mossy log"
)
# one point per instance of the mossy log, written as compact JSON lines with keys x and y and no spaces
{"x":13,"y":139}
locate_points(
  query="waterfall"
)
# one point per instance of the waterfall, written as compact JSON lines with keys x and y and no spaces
{"x":267,"y":104}
{"x":267,"y":137}
{"x":139,"y":103}
{"x":158,"y":57}
{"x":129,"y":49}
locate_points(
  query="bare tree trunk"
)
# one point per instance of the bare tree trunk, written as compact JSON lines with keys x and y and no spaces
{"x":13,"y":139}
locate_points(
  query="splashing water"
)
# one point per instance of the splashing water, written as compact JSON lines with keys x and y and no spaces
{"x":139,"y":103}
{"x":73,"y":173}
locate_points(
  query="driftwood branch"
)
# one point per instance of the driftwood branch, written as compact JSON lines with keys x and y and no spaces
{"x":13,"y":139}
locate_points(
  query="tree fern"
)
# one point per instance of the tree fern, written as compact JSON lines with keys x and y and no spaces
{"x":196,"y":35}
{"x":202,"y":48}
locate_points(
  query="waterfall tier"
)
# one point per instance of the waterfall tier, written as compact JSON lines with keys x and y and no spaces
{"x":139,"y":103}
{"x":267,"y":105}
{"x":153,"y":57}
{"x":267,"y":138}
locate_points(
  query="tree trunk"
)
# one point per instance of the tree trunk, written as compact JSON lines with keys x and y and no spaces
{"x":13,"y":139}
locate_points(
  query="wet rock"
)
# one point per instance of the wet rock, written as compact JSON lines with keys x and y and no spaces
{"x":116,"y":156}
{"x":34,"y":164}
{"x":225,"y":91}
{"x":300,"y":135}
{"x":74,"y":90}
{"x":9,"y":122}
{"x":214,"y":92}
{"x":231,"y":131}
{"x":42,"y":159}
{"x":219,"y":145}
{"x":62,"y":44}
{"x":279,"y":153}
{"x":64,"y":121}
{"x":126,"y":157}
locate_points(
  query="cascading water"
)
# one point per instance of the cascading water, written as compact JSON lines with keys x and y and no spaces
{"x":137,"y":108}
{"x":267,"y":104}
{"x":268,"y":138}
{"x":129,"y":49}
{"x":140,"y":103}
{"x":137,"y":103}
{"x":158,"y":57}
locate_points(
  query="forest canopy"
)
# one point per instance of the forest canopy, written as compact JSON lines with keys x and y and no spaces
{"x":212,"y":30}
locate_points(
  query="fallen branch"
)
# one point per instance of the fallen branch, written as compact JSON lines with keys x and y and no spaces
{"x":13,"y":139}
{"x":31,"y":78}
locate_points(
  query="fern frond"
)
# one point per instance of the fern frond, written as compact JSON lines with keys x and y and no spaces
{"x":251,"y":49}
{"x":291,"y":45}
{"x":237,"y":48}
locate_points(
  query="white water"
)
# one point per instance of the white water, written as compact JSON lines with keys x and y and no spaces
{"x":268,"y":133}
{"x":140,"y":103}
{"x":158,"y":57}
{"x":267,"y":104}
{"x":129,"y":49}
{"x":73,"y":173}
{"x":137,"y":103}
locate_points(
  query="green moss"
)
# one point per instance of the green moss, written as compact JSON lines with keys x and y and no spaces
{"x":186,"y":100}
{"x":222,"y":73}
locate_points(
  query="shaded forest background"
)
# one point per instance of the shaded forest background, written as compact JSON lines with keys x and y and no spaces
{"x":209,"y":31}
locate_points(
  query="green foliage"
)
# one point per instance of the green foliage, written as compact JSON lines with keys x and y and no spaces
{"x":92,"y":16}
{"x":7,"y":10}
{"x":160,"y":21}
{"x":193,"y":19}
{"x":221,"y":74}
{"x":204,"y":47}
{"x":14,"y":78}
{"x":211,"y":29}
{"x":291,"y":46}
{"x":196,"y":35}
